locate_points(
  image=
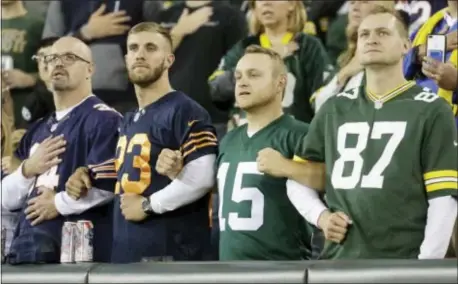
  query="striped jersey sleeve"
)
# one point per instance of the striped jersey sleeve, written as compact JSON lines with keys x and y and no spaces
{"x":439,"y":153}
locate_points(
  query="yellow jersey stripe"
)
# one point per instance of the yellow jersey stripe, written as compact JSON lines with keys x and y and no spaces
{"x":265,"y":42}
{"x":374,"y":97}
{"x":391,"y":94}
{"x":440,"y":174}
{"x":313,"y":97}
{"x":215,"y":74}
{"x":441,"y":186}
{"x":299,"y":159}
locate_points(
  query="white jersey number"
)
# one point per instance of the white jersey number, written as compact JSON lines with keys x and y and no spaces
{"x":351,"y":156}
{"x":50,"y":178}
{"x":239,"y":194}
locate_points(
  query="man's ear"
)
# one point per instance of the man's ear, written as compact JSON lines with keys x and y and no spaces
{"x":91,"y":70}
{"x":170,"y":60}
{"x":283,"y":81}
{"x":406,"y":46}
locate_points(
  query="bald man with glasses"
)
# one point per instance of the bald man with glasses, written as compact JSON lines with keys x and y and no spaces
{"x":82,"y":132}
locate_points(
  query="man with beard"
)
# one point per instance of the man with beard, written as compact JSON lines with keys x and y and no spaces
{"x":82,"y":132}
{"x":159,"y":217}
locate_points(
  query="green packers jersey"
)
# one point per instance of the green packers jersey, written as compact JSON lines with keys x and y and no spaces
{"x":308,"y":67}
{"x":20,"y":39}
{"x":384,"y":160}
{"x":257,"y":219}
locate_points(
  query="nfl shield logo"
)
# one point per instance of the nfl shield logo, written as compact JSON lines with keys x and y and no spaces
{"x":378,"y":104}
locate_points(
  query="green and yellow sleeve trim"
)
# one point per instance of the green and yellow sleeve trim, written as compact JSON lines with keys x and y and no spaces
{"x":441,"y":180}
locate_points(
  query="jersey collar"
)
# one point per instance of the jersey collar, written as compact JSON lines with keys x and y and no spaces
{"x":265,"y":42}
{"x":391,"y":94}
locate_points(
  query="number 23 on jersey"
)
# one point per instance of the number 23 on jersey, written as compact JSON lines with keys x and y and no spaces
{"x":140,"y":162}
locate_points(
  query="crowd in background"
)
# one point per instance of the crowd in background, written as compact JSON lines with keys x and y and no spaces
{"x":317,"y":41}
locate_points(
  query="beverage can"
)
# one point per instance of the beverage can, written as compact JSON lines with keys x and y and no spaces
{"x":84,"y":250}
{"x":7,"y":62}
{"x":67,"y":250}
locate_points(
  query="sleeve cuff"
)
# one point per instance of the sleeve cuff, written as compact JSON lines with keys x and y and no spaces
{"x":60,"y":204}
{"x":306,"y":201}
{"x":20,"y":175}
{"x":66,"y":205}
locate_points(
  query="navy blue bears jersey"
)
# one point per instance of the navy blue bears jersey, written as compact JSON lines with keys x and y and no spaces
{"x":175,"y":122}
{"x":91,"y":133}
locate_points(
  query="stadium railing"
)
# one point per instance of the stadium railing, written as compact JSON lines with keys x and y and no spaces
{"x":351,"y":271}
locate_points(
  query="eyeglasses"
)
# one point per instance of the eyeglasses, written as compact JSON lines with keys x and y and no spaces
{"x":66,"y":58}
{"x":38,"y":57}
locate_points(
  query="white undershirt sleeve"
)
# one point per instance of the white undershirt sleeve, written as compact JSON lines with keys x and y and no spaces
{"x":15,"y":188}
{"x":66,"y":205}
{"x":306,"y":201}
{"x":439,"y":227}
{"x":194,"y":181}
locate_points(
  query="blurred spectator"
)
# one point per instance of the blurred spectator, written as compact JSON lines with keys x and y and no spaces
{"x":103,"y":25}
{"x":437,"y":76}
{"x":279,"y":25}
{"x":7,"y":123}
{"x":322,"y":13}
{"x":21,"y":32}
{"x":39,"y":7}
{"x":419,"y":11}
{"x":9,"y":136}
{"x":350,"y":73}
{"x":245,"y":7}
{"x":9,"y":219}
{"x":40,"y":103}
{"x":336,"y":40}
{"x":202,"y":31}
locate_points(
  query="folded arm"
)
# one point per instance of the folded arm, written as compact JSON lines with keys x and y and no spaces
{"x":15,"y":189}
{"x":193,"y":182}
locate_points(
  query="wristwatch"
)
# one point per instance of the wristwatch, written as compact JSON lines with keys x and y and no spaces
{"x":146,"y":206}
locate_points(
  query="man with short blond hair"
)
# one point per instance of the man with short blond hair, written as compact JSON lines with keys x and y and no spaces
{"x":389,"y":156}
{"x":261,"y":216}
